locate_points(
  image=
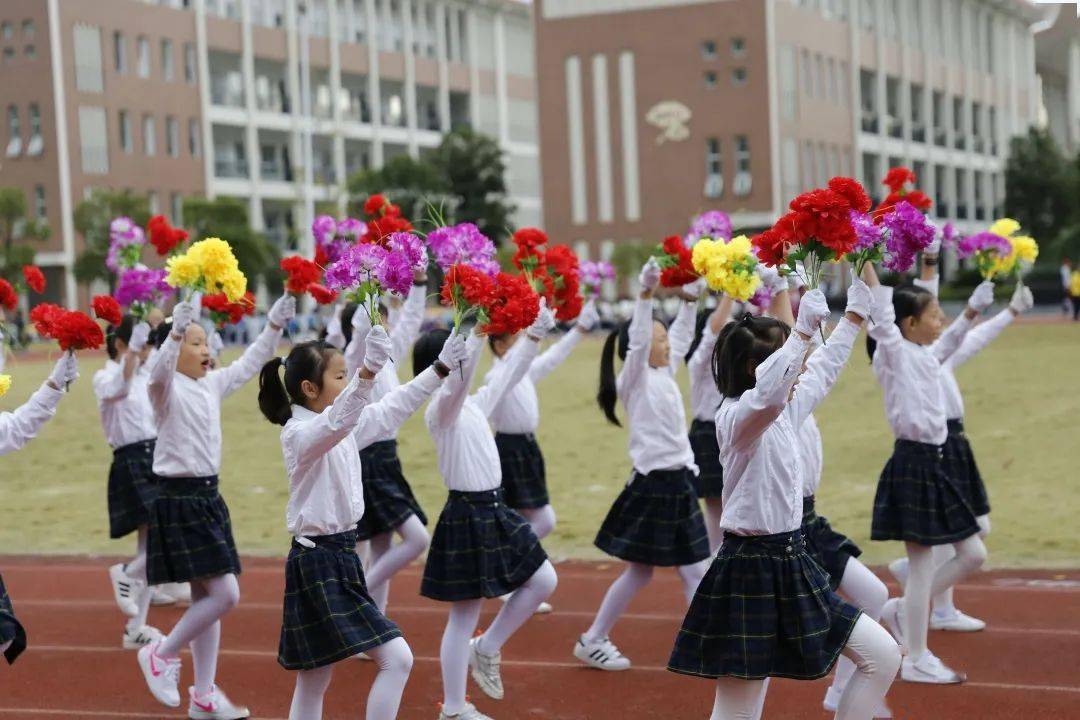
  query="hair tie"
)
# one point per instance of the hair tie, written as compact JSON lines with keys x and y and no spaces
{"x":746,"y":320}
{"x":284,"y":363}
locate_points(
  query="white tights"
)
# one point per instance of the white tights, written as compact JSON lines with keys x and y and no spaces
{"x":136,"y":570}
{"x":200,"y":626}
{"x":713,"y":509}
{"x":461,"y":624}
{"x":626,"y":586}
{"x":387,"y":559}
{"x":924,"y":580}
{"x":542,"y":520}
{"x":394,"y":660}
{"x":876,"y":658}
{"x":866,"y":592}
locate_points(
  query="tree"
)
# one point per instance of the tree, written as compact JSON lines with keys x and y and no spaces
{"x":411,"y":184}
{"x":15,"y":227}
{"x":227,"y":218}
{"x":473,"y":166}
{"x":92,"y":219}
{"x":1040,"y":186}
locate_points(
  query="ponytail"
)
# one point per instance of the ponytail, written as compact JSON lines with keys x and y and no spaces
{"x":118,"y":332}
{"x":742,"y":342}
{"x":607,"y":394}
{"x":273,"y":398}
{"x":306,"y":361}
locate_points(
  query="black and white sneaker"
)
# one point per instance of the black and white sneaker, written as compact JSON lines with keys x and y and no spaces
{"x":125,"y":590}
{"x":601,"y":654}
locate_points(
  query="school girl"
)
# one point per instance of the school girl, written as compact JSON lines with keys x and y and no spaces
{"x":389,"y":504}
{"x":918,"y":500}
{"x":128,"y":421}
{"x":765,"y":608}
{"x":480,"y":548}
{"x":16,"y":429}
{"x":958,"y":454}
{"x":655,"y":521}
{"x":190,"y":534}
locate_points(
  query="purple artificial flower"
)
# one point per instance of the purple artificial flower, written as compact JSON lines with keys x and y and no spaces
{"x":488,"y":266}
{"x":462,"y":243}
{"x":351,"y":229}
{"x":948,"y":234}
{"x":141,"y":285}
{"x":394,"y":273}
{"x":761,"y":298}
{"x":712,"y":224}
{"x":980,"y":242}
{"x":411,"y":247}
{"x":594,"y":273}
{"x":343,"y":274}
{"x":909,"y":233}
{"x":125,"y":244}
{"x":323,"y":228}
{"x":867,"y":234}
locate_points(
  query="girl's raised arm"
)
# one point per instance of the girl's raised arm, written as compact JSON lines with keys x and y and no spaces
{"x":229,"y":379}
{"x":557,"y":353}
{"x":700,"y":363}
{"x":407,"y":328}
{"x":21,"y":426}
{"x":517,"y":363}
{"x":446,"y":406}
{"x":640,"y":331}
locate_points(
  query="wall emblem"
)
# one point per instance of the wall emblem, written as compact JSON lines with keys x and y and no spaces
{"x":671,"y":117}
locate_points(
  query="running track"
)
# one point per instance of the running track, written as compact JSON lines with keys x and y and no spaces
{"x":1025,"y":665}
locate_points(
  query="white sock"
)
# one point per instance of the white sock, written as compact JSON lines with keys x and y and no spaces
{"x":713,"y":509}
{"x":307,"y":699}
{"x":204,"y":657}
{"x":618,"y":596}
{"x":210,"y":600}
{"x":395,"y":661}
{"x":136,"y":569}
{"x":866,"y":592}
{"x":691,"y":577}
{"x":519,"y":608}
{"x":542,"y":520}
{"x":454,"y":652}
{"x":388,"y":560}
{"x":738,"y":699}
{"x":877,"y":658}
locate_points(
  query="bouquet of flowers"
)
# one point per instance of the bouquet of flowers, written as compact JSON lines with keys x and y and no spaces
{"x":73,"y":330}
{"x":384,"y":219}
{"x":1023,"y":250}
{"x":469,"y":291}
{"x":34,"y":278}
{"x":512,"y":307}
{"x":762,"y":298}
{"x":106,"y":308}
{"x":676,"y":262}
{"x":333,"y":238}
{"x":140,"y":289}
{"x":369,"y":269}
{"x":322,"y":294}
{"x":869,"y":244}
{"x":8,"y":298}
{"x":5,"y":385}
{"x":728,"y":267}
{"x":987,"y":248}
{"x":898,"y":180}
{"x":208,"y":266}
{"x":907,"y":233}
{"x":529,"y":257}
{"x":163,"y":236}
{"x":462,"y":244}
{"x":301,"y":273}
{"x":713,"y":224}
{"x":126,"y":240}
{"x":562,"y":286}
{"x":593,"y":274}
{"x":223,"y":312}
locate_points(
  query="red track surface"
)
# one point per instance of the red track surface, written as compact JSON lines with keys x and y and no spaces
{"x":1025,"y":665}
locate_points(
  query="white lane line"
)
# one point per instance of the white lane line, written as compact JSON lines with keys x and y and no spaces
{"x":552,"y":664}
{"x":21,"y":712}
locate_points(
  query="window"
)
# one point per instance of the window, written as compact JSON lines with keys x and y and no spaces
{"x":830,"y":80}
{"x":937,"y":108}
{"x":9,"y":54}
{"x":30,"y":52}
{"x":842,"y":80}
{"x":807,"y":73}
{"x":788,"y":79}
{"x":143,"y":57}
{"x":172,"y":137}
{"x":28,"y":29}
{"x":866,"y":15}
{"x":88,"y":59}
{"x":37,"y":142}
{"x":960,"y":139}
{"x":738,"y":47}
{"x":149,"y":141}
{"x":193,"y":137}
{"x":189,"y":63}
{"x":93,"y":140}
{"x":39,"y":202}
{"x":7,"y":30}
{"x":119,"y":53}
{"x":127,"y":142}
{"x":710,"y":78}
{"x":176,"y":208}
{"x":743,"y":178}
{"x":14,"y":146}
{"x":167,"y":60}
{"x":918,"y":114}
{"x":152,"y":203}
{"x":714,"y":169}
{"x":708,"y":49}
{"x":738,"y":76}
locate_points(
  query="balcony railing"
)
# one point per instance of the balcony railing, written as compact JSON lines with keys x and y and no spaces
{"x":869,"y":121}
{"x":230,"y":168}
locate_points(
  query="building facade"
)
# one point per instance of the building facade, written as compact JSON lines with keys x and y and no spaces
{"x":741,"y":104}
{"x":174,"y":98}
{"x":1057,"y":60}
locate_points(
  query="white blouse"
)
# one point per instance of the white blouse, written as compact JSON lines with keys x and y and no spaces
{"x":704,"y":397}
{"x":911,"y":375}
{"x":21,"y":425}
{"x":188,"y":411}
{"x":653,"y":401}
{"x":979,"y":337}
{"x":458,"y":422}
{"x":127,"y":416}
{"x":519,"y":411}
{"x":810,"y":454}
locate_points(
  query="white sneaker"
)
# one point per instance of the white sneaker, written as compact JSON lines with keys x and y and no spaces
{"x":485,"y":670}
{"x":181,"y":592}
{"x":159,"y":596}
{"x":469,"y":712}
{"x":135,"y":638}
{"x":162,"y":676}
{"x":955,"y":621}
{"x":214,"y":707}
{"x":892,"y":614}
{"x":832,"y":701}
{"x":125,"y":590}
{"x":929,"y":669}
{"x":602,"y":655}
{"x":542,"y":609}
{"x":898,"y":568}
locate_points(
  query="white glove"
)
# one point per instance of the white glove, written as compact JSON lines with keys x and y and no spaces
{"x":65,"y":371}
{"x":771,"y":280}
{"x":813,"y":309}
{"x":650,"y":275}
{"x":934,"y":247}
{"x":216,"y":345}
{"x":139,"y":335}
{"x":377,"y":347}
{"x":983,"y":297}
{"x":695,"y":288}
{"x":453,"y":352}
{"x":543,"y":323}
{"x":795,"y":279}
{"x":183,"y":315}
{"x":1021,"y":299}
{"x":282,"y":311}
{"x":859,"y":297}
{"x":589,"y":317}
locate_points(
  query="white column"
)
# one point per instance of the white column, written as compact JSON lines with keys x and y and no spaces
{"x":1072,"y":95}
{"x":307,"y":242}
{"x":338,"y":140}
{"x":880,"y":89}
{"x":203,"y":56}
{"x":605,"y":205}
{"x":501,"y":99}
{"x":63,"y":162}
{"x":854,"y":84}
{"x":442,"y":52}
{"x":410,"y":76}
{"x":628,"y":121}
{"x":292,"y":81}
{"x":774,"y":106}
{"x":374,"y":96}
{"x":474,"y":67}
{"x":576,"y":135}
{"x":251,"y":132}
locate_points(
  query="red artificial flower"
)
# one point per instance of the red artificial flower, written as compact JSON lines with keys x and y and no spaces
{"x":851,"y":191}
{"x":465,"y":288}
{"x":107,"y":308}
{"x":44,"y":317}
{"x":374,"y":205}
{"x":8,"y":298}
{"x":321,"y":258}
{"x":513,"y":307}
{"x":563,"y":292}
{"x":917,"y":198}
{"x":35,"y":279}
{"x":301,"y":273}
{"x":322,"y":295}
{"x":77,"y":331}
{"x":678,"y":267}
{"x":163,"y":236}
{"x":530,"y":237}
{"x":383,"y":227}
{"x":223,"y":312}
{"x":897,"y":177}
{"x":529,"y":256}
{"x":570,"y":303}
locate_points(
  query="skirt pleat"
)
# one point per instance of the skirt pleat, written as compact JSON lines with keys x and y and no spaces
{"x":190,"y":532}
{"x":710,"y":480}
{"x":10,"y":627}
{"x":388,"y":498}
{"x":132,"y":488}
{"x":960,"y":464}
{"x":830,"y":549}
{"x":524,"y":478}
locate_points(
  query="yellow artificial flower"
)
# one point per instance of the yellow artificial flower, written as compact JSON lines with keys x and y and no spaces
{"x":5,"y":384}
{"x":1023,"y":249}
{"x":1005,"y":227}
{"x":233,"y":284}
{"x":183,"y":271}
{"x":215,"y":259}
{"x":727,"y":267}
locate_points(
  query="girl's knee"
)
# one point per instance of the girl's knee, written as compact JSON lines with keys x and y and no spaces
{"x":973,"y":553}
{"x":640,"y":572}
{"x":399,"y":658}
{"x":546,"y":578}
{"x":984,"y":525}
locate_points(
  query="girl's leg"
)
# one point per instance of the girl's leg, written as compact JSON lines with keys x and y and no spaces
{"x":877,"y":658}
{"x":519,"y":608}
{"x":378,"y":546}
{"x":619,"y":595}
{"x":970,"y":555}
{"x":866,"y":592}
{"x":387,"y":560}
{"x":200,"y":627}
{"x":691,"y":577}
{"x":943,"y":601}
{"x":454,"y":652}
{"x":137,"y":569}
{"x":738,"y":699}
{"x":307,"y":699}
{"x":713,"y":509}
{"x":917,"y":597}
{"x":5,"y":645}
{"x":395,"y":661}
{"x":541,"y":519}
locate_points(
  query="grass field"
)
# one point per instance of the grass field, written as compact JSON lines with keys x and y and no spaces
{"x":1022,"y":397}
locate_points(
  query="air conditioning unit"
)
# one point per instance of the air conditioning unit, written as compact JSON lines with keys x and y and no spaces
{"x":743,"y":182}
{"x":714,"y":186}
{"x":35,"y":146}
{"x":14,"y":147}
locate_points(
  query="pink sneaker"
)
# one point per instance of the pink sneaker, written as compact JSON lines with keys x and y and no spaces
{"x":214,"y":706}
{"x":162,"y":676}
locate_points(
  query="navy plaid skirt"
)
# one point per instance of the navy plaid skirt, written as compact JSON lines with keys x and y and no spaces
{"x":190,"y":532}
{"x":328,"y":613}
{"x":132,"y":488}
{"x":656,"y":520}
{"x":829,"y":548}
{"x":10,"y":627}
{"x":917,"y":501}
{"x":763,"y":609}
{"x":710,"y":480}
{"x":388,"y":499}
{"x":960,"y":462}
{"x":481,"y":548}
{"x":524,"y":479}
